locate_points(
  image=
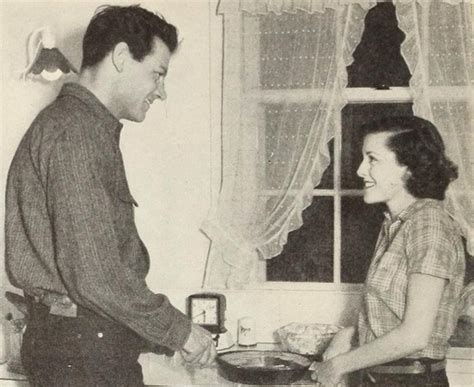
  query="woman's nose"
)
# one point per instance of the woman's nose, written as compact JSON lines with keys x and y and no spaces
{"x":362,"y":170}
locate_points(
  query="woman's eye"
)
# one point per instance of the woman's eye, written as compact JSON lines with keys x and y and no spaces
{"x":372,"y":159}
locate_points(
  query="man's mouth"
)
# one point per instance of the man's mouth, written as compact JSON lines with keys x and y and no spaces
{"x":148,"y":101}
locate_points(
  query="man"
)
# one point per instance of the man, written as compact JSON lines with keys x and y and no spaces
{"x":71,"y":240}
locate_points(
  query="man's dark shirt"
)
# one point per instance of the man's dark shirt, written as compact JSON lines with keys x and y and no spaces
{"x":70,"y":219}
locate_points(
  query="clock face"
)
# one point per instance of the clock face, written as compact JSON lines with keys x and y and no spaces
{"x":207,"y":309}
{"x":204,"y":311}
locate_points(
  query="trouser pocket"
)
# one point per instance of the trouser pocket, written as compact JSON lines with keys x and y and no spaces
{"x":82,"y":351}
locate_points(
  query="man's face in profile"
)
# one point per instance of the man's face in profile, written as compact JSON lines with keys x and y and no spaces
{"x":144,"y":82}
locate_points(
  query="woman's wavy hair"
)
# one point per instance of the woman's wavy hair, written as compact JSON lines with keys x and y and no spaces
{"x":417,"y":144}
{"x":133,"y":25}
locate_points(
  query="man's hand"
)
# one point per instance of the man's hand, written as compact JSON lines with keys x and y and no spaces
{"x":200,"y":348}
{"x":341,"y":343}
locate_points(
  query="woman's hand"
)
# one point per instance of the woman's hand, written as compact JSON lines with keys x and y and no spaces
{"x":341,"y":343}
{"x":326,"y":374}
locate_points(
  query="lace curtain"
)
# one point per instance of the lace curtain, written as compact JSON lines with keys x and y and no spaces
{"x":275,"y":143}
{"x":438,"y":52}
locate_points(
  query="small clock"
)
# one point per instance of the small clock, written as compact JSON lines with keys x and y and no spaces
{"x":207,"y":310}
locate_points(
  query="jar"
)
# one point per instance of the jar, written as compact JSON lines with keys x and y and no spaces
{"x":3,"y":343}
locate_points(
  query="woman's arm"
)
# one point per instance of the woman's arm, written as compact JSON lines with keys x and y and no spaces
{"x":341,"y":343}
{"x":423,"y":298}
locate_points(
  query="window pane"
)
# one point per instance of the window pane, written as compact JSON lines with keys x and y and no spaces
{"x":353,"y":116}
{"x":360,"y":227}
{"x":287,"y":128}
{"x":377,"y":58}
{"x":289,"y":44}
{"x":308,"y":254}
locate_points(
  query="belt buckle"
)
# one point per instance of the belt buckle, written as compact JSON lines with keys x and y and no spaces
{"x":419,"y":367}
{"x":63,"y":310}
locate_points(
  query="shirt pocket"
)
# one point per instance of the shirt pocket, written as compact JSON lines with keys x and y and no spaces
{"x":124,"y":213}
{"x":122,"y":190}
{"x":387,"y":274}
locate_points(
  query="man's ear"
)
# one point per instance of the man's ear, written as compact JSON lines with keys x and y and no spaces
{"x":120,"y":53}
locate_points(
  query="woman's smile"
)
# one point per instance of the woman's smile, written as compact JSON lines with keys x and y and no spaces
{"x":384,"y":177}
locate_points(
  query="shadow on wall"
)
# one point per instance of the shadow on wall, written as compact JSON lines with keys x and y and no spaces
{"x":71,"y":46}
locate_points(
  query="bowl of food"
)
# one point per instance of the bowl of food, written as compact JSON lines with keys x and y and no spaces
{"x":262,"y":367}
{"x":306,"y":339}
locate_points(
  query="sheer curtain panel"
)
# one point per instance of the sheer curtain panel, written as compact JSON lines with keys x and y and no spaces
{"x":283,"y":81}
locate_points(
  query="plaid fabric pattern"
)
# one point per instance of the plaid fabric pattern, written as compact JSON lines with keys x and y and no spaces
{"x":422,"y":239}
{"x":70,"y":224}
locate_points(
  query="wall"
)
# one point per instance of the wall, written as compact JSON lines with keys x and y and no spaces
{"x":172,"y":159}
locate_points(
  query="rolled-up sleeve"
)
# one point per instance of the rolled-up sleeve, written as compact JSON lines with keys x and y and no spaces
{"x":89,"y":244}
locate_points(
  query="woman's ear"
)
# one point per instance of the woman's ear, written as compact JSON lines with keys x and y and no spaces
{"x":407,"y":175}
{"x":119,"y":55}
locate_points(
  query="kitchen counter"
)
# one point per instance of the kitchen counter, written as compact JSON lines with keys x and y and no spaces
{"x":171,"y":370}
{"x":10,"y":379}
{"x":460,"y":367}
{"x":162,"y":370}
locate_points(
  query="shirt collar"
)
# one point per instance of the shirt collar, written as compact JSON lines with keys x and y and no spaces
{"x":409,"y":211}
{"x":97,"y":107}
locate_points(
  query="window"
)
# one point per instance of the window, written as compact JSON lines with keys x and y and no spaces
{"x":293,"y":101}
{"x":339,"y":231}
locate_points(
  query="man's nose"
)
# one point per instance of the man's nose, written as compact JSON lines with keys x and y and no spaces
{"x":160,"y":92}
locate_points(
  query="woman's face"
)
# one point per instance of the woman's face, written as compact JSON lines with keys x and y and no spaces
{"x":384,"y":178}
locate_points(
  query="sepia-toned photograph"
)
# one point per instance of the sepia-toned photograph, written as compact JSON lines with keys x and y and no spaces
{"x":236,"y":193}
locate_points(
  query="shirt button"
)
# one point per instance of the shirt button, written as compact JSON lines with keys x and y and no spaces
{"x":79,"y":335}
{"x":100,"y":335}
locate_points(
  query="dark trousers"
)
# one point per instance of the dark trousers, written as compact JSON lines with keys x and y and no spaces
{"x":83,"y":351}
{"x":428,"y":378}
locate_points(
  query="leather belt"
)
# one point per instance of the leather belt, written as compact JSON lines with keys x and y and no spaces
{"x":58,"y":304}
{"x":417,"y":367}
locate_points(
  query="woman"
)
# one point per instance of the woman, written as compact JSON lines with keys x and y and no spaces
{"x":416,"y":275}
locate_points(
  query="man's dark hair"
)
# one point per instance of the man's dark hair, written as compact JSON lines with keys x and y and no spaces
{"x":418,"y":145}
{"x":133,"y":25}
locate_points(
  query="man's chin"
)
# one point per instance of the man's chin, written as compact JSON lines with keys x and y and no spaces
{"x":138,"y":119}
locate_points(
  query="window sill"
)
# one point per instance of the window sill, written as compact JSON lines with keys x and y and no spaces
{"x":305,"y":286}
